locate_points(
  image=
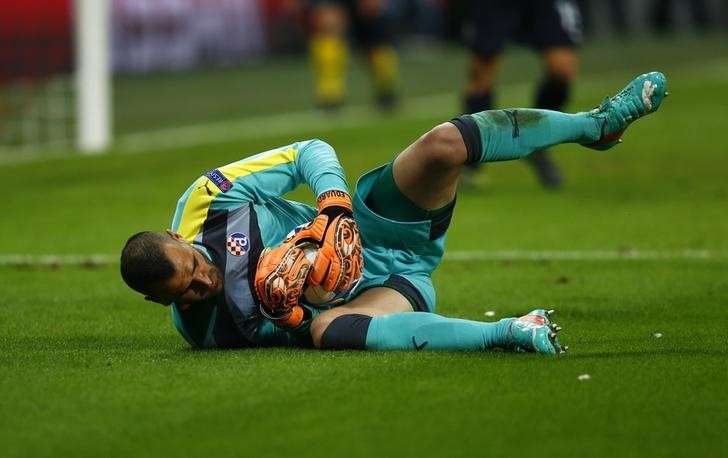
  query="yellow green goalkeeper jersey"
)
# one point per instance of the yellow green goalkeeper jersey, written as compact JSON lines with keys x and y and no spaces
{"x":230,"y":214}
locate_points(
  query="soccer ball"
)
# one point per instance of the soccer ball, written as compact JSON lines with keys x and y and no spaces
{"x":315,"y":295}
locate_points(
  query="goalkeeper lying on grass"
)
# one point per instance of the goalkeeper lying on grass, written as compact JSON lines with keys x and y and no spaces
{"x":239,"y":257}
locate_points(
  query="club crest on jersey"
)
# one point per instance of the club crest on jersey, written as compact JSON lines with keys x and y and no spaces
{"x":238,"y":244}
{"x":222,"y":183}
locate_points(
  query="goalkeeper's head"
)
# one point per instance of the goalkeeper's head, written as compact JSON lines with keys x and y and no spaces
{"x":167,"y":269}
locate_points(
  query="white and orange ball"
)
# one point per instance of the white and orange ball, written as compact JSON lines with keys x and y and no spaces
{"x":315,"y":295}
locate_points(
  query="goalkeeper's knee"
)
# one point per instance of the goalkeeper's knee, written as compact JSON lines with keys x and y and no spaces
{"x":344,"y":332}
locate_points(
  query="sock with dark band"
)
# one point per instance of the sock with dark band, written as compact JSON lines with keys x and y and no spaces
{"x":414,"y":331}
{"x":503,"y":135}
{"x":474,"y":103}
{"x":427,"y":331}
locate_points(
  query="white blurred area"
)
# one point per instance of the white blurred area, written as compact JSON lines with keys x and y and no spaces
{"x":57,"y":58}
{"x":181,"y":34}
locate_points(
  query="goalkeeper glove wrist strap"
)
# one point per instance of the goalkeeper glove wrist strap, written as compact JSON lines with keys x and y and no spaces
{"x":334,"y":202}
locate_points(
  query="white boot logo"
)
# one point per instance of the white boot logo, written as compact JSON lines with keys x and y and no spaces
{"x":647,"y":90}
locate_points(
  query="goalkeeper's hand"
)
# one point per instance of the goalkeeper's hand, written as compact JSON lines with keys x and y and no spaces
{"x":339,"y":262}
{"x":279,"y":281}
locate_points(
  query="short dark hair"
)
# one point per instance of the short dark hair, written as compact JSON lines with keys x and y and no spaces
{"x":144,"y":263}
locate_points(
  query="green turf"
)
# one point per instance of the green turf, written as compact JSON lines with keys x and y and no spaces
{"x":211,"y":95}
{"x":89,"y":369}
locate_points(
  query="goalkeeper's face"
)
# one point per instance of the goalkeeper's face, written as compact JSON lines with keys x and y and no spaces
{"x":195,"y":278}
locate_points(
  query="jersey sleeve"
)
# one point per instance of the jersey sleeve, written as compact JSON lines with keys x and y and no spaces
{"x":259,"y":178}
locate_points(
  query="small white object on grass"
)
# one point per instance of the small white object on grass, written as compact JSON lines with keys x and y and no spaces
{"x":584,"y":377}
{"x":657,"y":335}
{"x":490,"y":313}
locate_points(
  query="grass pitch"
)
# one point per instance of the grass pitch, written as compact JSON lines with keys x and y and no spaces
{"x":89,"y":369}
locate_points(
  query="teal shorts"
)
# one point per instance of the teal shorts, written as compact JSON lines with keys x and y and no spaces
{"x":398,"y":255}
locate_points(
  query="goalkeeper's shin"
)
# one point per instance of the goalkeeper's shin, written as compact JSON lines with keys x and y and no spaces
{"x":503,"y":135}
{"x":413,"y":331}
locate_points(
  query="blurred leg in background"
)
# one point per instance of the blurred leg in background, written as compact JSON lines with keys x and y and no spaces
{"x":700,"y":15}
{"x":329,"y":53}
{"x":552,"y":27}
{"x":491,"y":23}
{"x":368,"y":22}
{"x":618,"y":16}
{"x":374,"y":33}
{"x":556,"y":31}
{"x":592,"y":14}
{"x":663,"y":14}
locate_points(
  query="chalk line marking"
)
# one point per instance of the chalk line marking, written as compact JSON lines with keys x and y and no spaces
{"x":312,"y":121}
{"x":584,"y":255}
{"x":99,"y":260}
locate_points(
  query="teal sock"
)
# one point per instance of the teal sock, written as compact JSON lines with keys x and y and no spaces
{"x":502,"y":135}
{"x":427,"y":331}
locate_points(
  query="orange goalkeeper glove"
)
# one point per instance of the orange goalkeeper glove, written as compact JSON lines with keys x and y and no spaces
{"x":339,"y":262}
{"x":279,"y":282}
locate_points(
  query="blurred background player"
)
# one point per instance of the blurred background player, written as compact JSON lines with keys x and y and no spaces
{"x":550,"y":27}
{"x":616,"y":11}
{"x":367,"y":22}
{"x":664,"y":14}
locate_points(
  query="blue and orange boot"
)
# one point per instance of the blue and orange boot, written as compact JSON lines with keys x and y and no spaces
{"x":639,"y":98}
{"x":535,"y":332}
